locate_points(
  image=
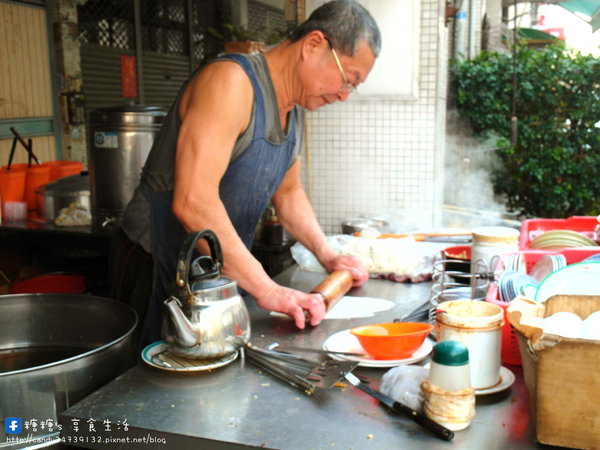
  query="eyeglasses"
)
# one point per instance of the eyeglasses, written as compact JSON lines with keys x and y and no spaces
{"x":347,"y":86}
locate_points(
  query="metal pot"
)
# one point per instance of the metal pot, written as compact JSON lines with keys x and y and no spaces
{"x":120,"y":140}
{"x":361,"y":224}
{"x":56,"y":349}
{"x":59,"y":194}
{"x":208,"y":318}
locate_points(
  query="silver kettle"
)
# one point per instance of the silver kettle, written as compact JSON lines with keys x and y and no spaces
{"x":207,"y":317}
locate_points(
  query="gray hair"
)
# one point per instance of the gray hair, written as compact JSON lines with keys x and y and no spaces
{"x":345,"y":23}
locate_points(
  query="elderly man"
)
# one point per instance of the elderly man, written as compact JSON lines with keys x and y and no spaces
{"x":230,"y":145}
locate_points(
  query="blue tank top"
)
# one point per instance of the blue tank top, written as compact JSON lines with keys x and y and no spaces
{"x":245,"y":190}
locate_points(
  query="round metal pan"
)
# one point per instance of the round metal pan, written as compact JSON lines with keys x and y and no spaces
{"x":56,"y":349}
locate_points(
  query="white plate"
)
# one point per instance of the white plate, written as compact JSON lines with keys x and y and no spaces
{"x":350,"y":307}
{"x":343,"y":341}
{"x":576,"y":279}
{"x":158,"y":355}
{"x":507,"y":378}
{"x":546,"y":265}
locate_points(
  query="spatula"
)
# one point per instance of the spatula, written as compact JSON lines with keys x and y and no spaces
{"x":399,"y":408}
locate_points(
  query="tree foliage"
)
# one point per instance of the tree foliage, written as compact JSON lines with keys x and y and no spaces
{"x":554,"y":168}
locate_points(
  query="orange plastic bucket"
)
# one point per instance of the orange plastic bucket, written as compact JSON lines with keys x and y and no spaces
{"x":12,"y":184}
{"x":37,"y":176}
{"x":60,"y":169}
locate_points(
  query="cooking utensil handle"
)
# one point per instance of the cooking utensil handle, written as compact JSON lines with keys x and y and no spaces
{"x":420,"y":418}
{"x":285,"y":375}
{"x":437,"y":429}
{"x":185,"y":256}
{"x":334,"y":287}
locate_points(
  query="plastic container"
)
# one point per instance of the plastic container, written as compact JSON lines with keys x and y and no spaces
{"x":449,"y":367}
{"x":37,"y":176}
{"x":14,"y":211}
{"x":489,"y":242}
{"x":478,"y":325}
{"x":509,"y":352}
{"x":532,"y":228}
{"x":60,"y":168}
{"x":12,"y":184}
{"x":449,"y":397}
{"x":54,"y":283}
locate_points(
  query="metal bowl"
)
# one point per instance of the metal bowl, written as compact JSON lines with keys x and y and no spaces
{"x":360,"y":224}
{"x":59,"y":194}
{"x":56,"y":349}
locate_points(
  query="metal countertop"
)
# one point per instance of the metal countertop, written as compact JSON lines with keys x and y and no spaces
{"x":238,"y":406}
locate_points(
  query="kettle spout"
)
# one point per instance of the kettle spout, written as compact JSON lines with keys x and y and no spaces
{"x":184,"y":333}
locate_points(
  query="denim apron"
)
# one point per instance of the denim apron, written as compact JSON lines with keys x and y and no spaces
{"x":245,"y":189}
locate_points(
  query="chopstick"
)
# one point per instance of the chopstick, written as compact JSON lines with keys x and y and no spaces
{"x":322,"y":352}
{"x":12,"y":153}
{"x":24,"y":144}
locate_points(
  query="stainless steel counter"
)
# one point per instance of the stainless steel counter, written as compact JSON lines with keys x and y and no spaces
{"x":238,"y":406}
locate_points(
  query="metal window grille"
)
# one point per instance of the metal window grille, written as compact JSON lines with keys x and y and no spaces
{"x":106,"y":23}
{"x":164,"y":26}
{"x":205,"y":13}
{"x":263,"y":17}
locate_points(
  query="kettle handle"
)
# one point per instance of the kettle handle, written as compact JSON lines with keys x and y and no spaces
{"x":185,"y":256}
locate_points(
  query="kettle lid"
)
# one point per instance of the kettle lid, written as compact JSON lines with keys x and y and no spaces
{"x":205,"y":274}
{"x":211,"y":284}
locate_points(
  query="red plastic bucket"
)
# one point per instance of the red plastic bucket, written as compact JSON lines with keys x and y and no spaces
{"x":53,"y":283}
{"x":12,"y":184}
{"x":37,"y":176}
{"x":60,"y":168}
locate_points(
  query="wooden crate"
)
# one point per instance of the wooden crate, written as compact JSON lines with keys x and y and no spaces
{"x":562,"y":377}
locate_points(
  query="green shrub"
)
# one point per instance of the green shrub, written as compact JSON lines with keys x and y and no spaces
{"x":554,"y":168}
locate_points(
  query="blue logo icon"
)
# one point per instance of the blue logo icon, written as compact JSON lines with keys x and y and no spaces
{"x":12,"y":425}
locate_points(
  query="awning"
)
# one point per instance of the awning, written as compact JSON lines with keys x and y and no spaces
{"x":533,"y":35}
{"x":589,"y":8}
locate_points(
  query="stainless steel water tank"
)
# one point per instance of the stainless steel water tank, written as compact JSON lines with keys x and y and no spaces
{"x":120,"y":140}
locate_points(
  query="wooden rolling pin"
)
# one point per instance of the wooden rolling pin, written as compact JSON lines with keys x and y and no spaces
{"x":334,"y":287}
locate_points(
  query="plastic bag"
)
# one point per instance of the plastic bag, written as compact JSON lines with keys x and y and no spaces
{"x":397,"y":259}
{"x":403,"y":384}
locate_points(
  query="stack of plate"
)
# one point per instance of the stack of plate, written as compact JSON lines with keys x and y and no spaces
{"x":512,"y":284}
{"x":546,"y":265}
{"x":512,"y":262}
{"x":557,"y":239}
{"x":575,"y":279}
{"x":592,"y":258}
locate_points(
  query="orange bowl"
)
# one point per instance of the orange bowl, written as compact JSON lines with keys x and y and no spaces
{"x":392,"y":340}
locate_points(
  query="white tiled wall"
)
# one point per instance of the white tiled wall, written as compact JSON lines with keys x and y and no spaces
{"x":383,"y":156}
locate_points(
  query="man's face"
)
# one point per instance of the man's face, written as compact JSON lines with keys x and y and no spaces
{"x":322,"y":79}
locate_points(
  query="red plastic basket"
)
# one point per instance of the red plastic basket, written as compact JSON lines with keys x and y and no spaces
{"x":572,"y":254}
{"x":532,"y":228}
{"x":509,"y":352}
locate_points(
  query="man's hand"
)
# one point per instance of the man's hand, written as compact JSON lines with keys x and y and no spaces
{"x":350,"y":263}
{"x":293,"y":303}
